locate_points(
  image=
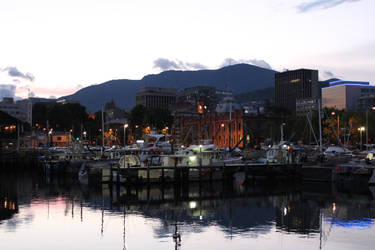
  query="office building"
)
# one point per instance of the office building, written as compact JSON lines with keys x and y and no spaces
{"x":294,"y":85}
{"x":156,"y":97}
{"x":345,"y":95}
{"x":366,"y":102}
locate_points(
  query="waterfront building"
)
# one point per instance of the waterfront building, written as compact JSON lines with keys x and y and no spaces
{"x":224,"y":129}
{"x":193,"y":97}
{"x":221,"y":94}
{"x":61,"y":139}
{"x":306,"y":106}
{"x":21,"y":109}
{"x":115,"y":115}
{"x":345,"y":95}
{"x":366,"y":102}
{"x":42,"y":100}
{"x":156,"y":97}
{"x":253,"y":107}
{"x":227,"y":105}
{"x":8,"y":131}
{"x":294,"y":85}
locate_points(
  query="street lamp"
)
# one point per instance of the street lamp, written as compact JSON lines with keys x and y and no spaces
{"x":338,"y":126}
{"x":71,"y":136}
{"x":125,"y":126}
{"x":222,"y":125}
{"x":361,"y":129}
{"x":50,"y":136}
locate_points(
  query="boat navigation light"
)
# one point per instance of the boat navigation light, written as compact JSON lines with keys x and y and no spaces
{"x":192,"y":204}
{"x":192,"y":158}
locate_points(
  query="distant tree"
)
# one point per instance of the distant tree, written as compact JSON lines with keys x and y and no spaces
{"x":60,"y":117}
{"x":159,"y":118}
{"x":137,"y":116}
{"x":39,"y":114}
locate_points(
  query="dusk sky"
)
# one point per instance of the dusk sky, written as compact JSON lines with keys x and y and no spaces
{"x":54,"y":47}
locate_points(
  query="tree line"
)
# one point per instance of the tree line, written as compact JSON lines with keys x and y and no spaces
{"x":73,"y":117}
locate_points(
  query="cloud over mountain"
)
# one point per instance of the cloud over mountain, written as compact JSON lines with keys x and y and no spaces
{"x":255,"y":62}
{"x":166,"y":64}
{"x":328,"y":74}
{"x":321,"y":4}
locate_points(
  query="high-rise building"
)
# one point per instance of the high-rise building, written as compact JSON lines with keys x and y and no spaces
{"x":346,"y":94}
{"x":156,"y":97}
{"x":294,"y":85}
{"x":366,"y":102}
{"x":21,"y":109}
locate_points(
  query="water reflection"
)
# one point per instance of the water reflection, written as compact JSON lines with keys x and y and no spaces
{"x":180,"y":213}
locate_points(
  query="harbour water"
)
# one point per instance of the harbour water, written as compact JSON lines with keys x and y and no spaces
{"x":61,"y":213}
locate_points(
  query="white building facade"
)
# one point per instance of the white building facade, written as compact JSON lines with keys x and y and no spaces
{"x":21,"y":109}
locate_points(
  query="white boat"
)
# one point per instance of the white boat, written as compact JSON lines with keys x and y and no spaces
{"x":334,"y":155}
{"x":157,"y":142}
{"x":370,"y":157}
{"x":195,"y":155}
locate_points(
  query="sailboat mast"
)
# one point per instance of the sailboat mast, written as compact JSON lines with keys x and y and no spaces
{"x":102,"y":130}
{"x":320,"y":127}
{"x":230,"y":123}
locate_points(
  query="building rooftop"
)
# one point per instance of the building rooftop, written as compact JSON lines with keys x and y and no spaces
{"x":343,"y":82}
{"x":157,"y":90}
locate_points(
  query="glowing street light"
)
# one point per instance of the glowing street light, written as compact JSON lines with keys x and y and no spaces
{"x":125,"y":126}
{"x":338,"y":125}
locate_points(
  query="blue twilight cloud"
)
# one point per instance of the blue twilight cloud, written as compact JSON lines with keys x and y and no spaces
{"x":321,"y":4}
{"x":14,"y":72}
{"x":328,"y":74}
{"x":166,"y":64}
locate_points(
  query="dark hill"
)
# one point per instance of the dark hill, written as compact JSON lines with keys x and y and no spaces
{"x":256,"y":95}
{"x":238,"y":78}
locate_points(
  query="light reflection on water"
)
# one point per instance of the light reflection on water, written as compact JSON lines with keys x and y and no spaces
{"x":65,"y":215}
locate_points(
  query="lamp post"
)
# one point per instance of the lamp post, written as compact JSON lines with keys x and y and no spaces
{"x":338,"y":126}
{"x":222,"y":125}
{"x":125,"y":126}
{"x":50,"y":136}
{"x":361,"y":129}
{"x":71,"y":136}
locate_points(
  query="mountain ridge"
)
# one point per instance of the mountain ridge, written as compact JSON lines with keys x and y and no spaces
{"x":237,"y":78}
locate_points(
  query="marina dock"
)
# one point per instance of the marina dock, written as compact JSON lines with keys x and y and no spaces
{"x":241,"y":172}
